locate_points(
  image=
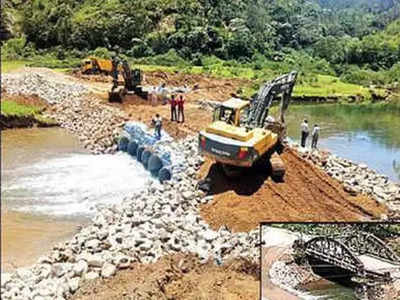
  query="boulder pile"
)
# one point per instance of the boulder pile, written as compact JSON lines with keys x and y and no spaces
{"x":97,"y":125}
{"x":159,"y":220}
{"x":357,"y":178}
{"x":43,"y":86}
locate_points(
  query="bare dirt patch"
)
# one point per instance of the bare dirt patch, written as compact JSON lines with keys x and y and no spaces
{"x":178,"y":277}
{"x":307,"y":194}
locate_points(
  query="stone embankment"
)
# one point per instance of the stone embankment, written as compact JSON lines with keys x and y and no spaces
{"x":357,"y":178}
{"x":71,"y":105}
{"x":159,"y":220}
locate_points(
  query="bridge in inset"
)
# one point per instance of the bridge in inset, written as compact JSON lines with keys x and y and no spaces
{"x":361,"y":254}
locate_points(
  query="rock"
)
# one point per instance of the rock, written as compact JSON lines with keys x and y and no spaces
{"x":188,"y":195}
{"x":93,"y":244}
{"x":91,"y":276}
{"x":5,"y":279}
{"x":58,"y":270}
{"x":80,"y":267}
{"x":73,"y":284}
{"x":122,"y":261}
{"x":24,"y":274}
{"x":108,"y":270}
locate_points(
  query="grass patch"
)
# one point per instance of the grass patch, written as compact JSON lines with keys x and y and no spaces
{"x":330,"y":86}
{"x":13,"y":109}
{"x":7,"y":66}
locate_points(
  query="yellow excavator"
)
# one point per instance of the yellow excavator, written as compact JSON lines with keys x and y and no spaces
{"x":242,"y":134}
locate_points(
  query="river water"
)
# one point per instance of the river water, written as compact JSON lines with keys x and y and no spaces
{"x":50,"y":184}
{"x":363,"y":134}
{"x":45,"y":171}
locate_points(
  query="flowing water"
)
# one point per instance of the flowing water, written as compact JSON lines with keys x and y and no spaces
{"x":50,"y":184}
{"x":45,"y":171}
{"x":363,"y":134}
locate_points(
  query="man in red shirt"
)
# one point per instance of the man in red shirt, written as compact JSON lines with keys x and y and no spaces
{"x":173,"y":103}
{"x":181,"y":102}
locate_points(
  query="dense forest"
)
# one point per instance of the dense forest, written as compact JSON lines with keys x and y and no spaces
{"x":358,"y":40}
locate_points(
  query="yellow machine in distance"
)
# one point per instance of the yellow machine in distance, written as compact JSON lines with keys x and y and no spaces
{"x":94,"y":65}
{"x":242,"y":134}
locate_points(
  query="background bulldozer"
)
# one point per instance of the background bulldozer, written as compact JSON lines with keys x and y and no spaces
{"x":242,"y":134}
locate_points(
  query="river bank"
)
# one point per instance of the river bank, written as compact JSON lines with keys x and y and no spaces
{"x":23,"y":112}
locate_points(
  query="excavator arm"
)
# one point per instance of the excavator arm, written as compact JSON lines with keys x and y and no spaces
{"x":261,"y":104}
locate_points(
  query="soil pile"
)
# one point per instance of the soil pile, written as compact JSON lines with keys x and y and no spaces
{"x":178,"y":277}
{"x":307,"y":194}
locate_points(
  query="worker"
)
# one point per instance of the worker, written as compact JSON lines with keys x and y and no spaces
{"x":157,"y":121}
{"x":173,"y":104}
{"x":304,"y":133}
{"x":163,"y":92}
{"x":181,"y":114}
{"x":315,"y":136}
{"x":153,"y":96}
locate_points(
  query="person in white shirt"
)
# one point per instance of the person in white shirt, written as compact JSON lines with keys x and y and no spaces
{"x":315,"y":136}
{"x":304,"y":133}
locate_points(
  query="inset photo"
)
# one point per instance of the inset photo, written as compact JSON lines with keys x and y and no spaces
{"x":339,"y":261}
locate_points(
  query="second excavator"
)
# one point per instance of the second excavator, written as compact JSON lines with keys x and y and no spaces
{"x":132,"y":80}
{"x":242,"y":134}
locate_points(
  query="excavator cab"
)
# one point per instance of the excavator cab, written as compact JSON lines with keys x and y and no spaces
{"x":86,"y":65}
{"x":230,"y":112}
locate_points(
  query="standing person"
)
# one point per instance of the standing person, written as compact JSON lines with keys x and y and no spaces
{"x":315,"y":136}
{"x":157,"y":121}
{"x":163,"y":91}
{"x":304,"y":133}
{"x":153,"y":96}
{"x":173,"y":104}
{"x":181,"y":103}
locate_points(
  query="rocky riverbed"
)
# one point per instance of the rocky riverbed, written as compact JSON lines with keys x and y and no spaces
{"x":161,"y":219}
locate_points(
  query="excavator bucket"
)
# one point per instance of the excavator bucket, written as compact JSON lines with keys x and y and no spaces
{"x":117,"y":95}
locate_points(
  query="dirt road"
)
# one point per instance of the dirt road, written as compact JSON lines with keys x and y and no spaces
{"x":178,"y":277}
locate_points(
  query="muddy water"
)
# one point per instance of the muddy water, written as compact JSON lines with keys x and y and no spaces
{"x":50,"y":184}
{"x":363,"y":134}
{"x":325,"y":289}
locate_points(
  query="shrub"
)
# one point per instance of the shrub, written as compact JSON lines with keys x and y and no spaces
{"x":101,"y":52}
